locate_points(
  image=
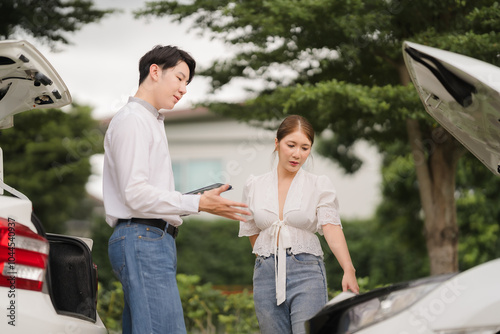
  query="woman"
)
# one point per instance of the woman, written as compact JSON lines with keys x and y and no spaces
{"x":289,"y":205}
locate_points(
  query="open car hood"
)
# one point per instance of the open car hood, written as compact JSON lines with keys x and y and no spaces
{"x":27,"y":81}
{"x":462,"y":94}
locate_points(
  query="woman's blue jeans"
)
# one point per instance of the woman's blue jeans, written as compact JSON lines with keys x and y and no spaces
{"x":306,"y":293}
{"x":145,"y":260}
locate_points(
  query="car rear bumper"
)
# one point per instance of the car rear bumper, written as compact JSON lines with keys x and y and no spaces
{"x":25,"y":311}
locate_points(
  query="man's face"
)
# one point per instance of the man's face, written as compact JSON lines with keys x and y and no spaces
{"x":171,"y":85}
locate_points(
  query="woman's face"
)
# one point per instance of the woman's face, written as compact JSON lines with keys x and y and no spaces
{"x":293,"y":151}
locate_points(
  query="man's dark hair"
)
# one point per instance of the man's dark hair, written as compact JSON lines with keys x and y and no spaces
{"x":165,"y":57}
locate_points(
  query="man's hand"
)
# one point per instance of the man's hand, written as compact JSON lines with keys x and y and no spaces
{"x":213,"y":203}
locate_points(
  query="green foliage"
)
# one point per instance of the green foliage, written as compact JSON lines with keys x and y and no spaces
{"x":478,"y":213}
{"x":213,"y":251}
{"x":47,"y":20}
{"x":239,"y":314}
{"x":110,"y":305}
{"x":206,"y":310}
{"x":47,"y":157}
{"x":200,"y":303}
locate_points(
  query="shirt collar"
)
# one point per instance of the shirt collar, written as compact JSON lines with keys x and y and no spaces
{"x":148,"y":107}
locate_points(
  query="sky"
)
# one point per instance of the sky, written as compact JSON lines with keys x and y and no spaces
{"x":100,"y":68}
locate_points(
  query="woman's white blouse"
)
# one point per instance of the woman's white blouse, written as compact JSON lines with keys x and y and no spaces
{"x":311,"y":202}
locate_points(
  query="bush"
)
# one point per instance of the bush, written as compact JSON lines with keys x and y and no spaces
{"x":213,"y":251}
{"x":206,"y":310}
{"x":110,"y":306}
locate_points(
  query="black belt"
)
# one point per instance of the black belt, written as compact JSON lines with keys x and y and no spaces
{"x":159,"y":223}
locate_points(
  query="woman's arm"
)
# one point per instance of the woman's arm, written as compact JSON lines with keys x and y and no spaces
{"x":338,"y":245}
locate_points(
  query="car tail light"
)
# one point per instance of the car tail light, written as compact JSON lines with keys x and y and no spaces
{"x":23,"y":256}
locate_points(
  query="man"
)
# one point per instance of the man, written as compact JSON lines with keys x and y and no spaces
{"x":140,"y":200}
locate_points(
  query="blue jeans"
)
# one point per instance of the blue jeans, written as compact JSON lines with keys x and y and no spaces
{"x":306,"y":293}
{"x":145,"y":260}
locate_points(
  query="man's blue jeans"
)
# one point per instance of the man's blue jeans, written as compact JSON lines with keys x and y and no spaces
{"x":145,"y":260}
{"x":306,"y":293}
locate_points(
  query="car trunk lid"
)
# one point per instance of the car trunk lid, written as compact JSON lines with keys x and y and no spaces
{"x":27,"y":81}
{"x":462,"y":94}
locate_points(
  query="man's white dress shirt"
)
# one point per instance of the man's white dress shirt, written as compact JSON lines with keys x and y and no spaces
{"x":138,"y":180}
{"x":311,"y":202}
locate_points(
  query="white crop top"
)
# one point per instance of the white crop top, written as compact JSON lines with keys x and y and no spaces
{"x":310,"y":203}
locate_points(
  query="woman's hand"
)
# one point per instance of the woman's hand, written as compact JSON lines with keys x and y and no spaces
{"x":349,"y":282}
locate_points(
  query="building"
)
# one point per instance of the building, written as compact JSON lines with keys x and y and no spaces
{"x":207,"y":148}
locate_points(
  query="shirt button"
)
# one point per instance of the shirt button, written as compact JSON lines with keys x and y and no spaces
{"x":140,"y":237}
{"x":147,"y":228}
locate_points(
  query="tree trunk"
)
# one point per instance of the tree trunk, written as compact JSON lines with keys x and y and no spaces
{"x":436,"y":160}
{"x":435,"y":163}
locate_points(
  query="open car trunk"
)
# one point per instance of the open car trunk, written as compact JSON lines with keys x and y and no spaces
{"x":71,"y":276}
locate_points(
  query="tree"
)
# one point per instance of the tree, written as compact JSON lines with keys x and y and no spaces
{"x":46,"y":19}
{"x":478,"y":213}
{"x":47,"y":157}
{"x":339,"y":63}
{"x":398,"y":222}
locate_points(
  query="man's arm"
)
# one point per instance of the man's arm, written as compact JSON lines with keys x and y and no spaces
{"x":212,"y":202}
